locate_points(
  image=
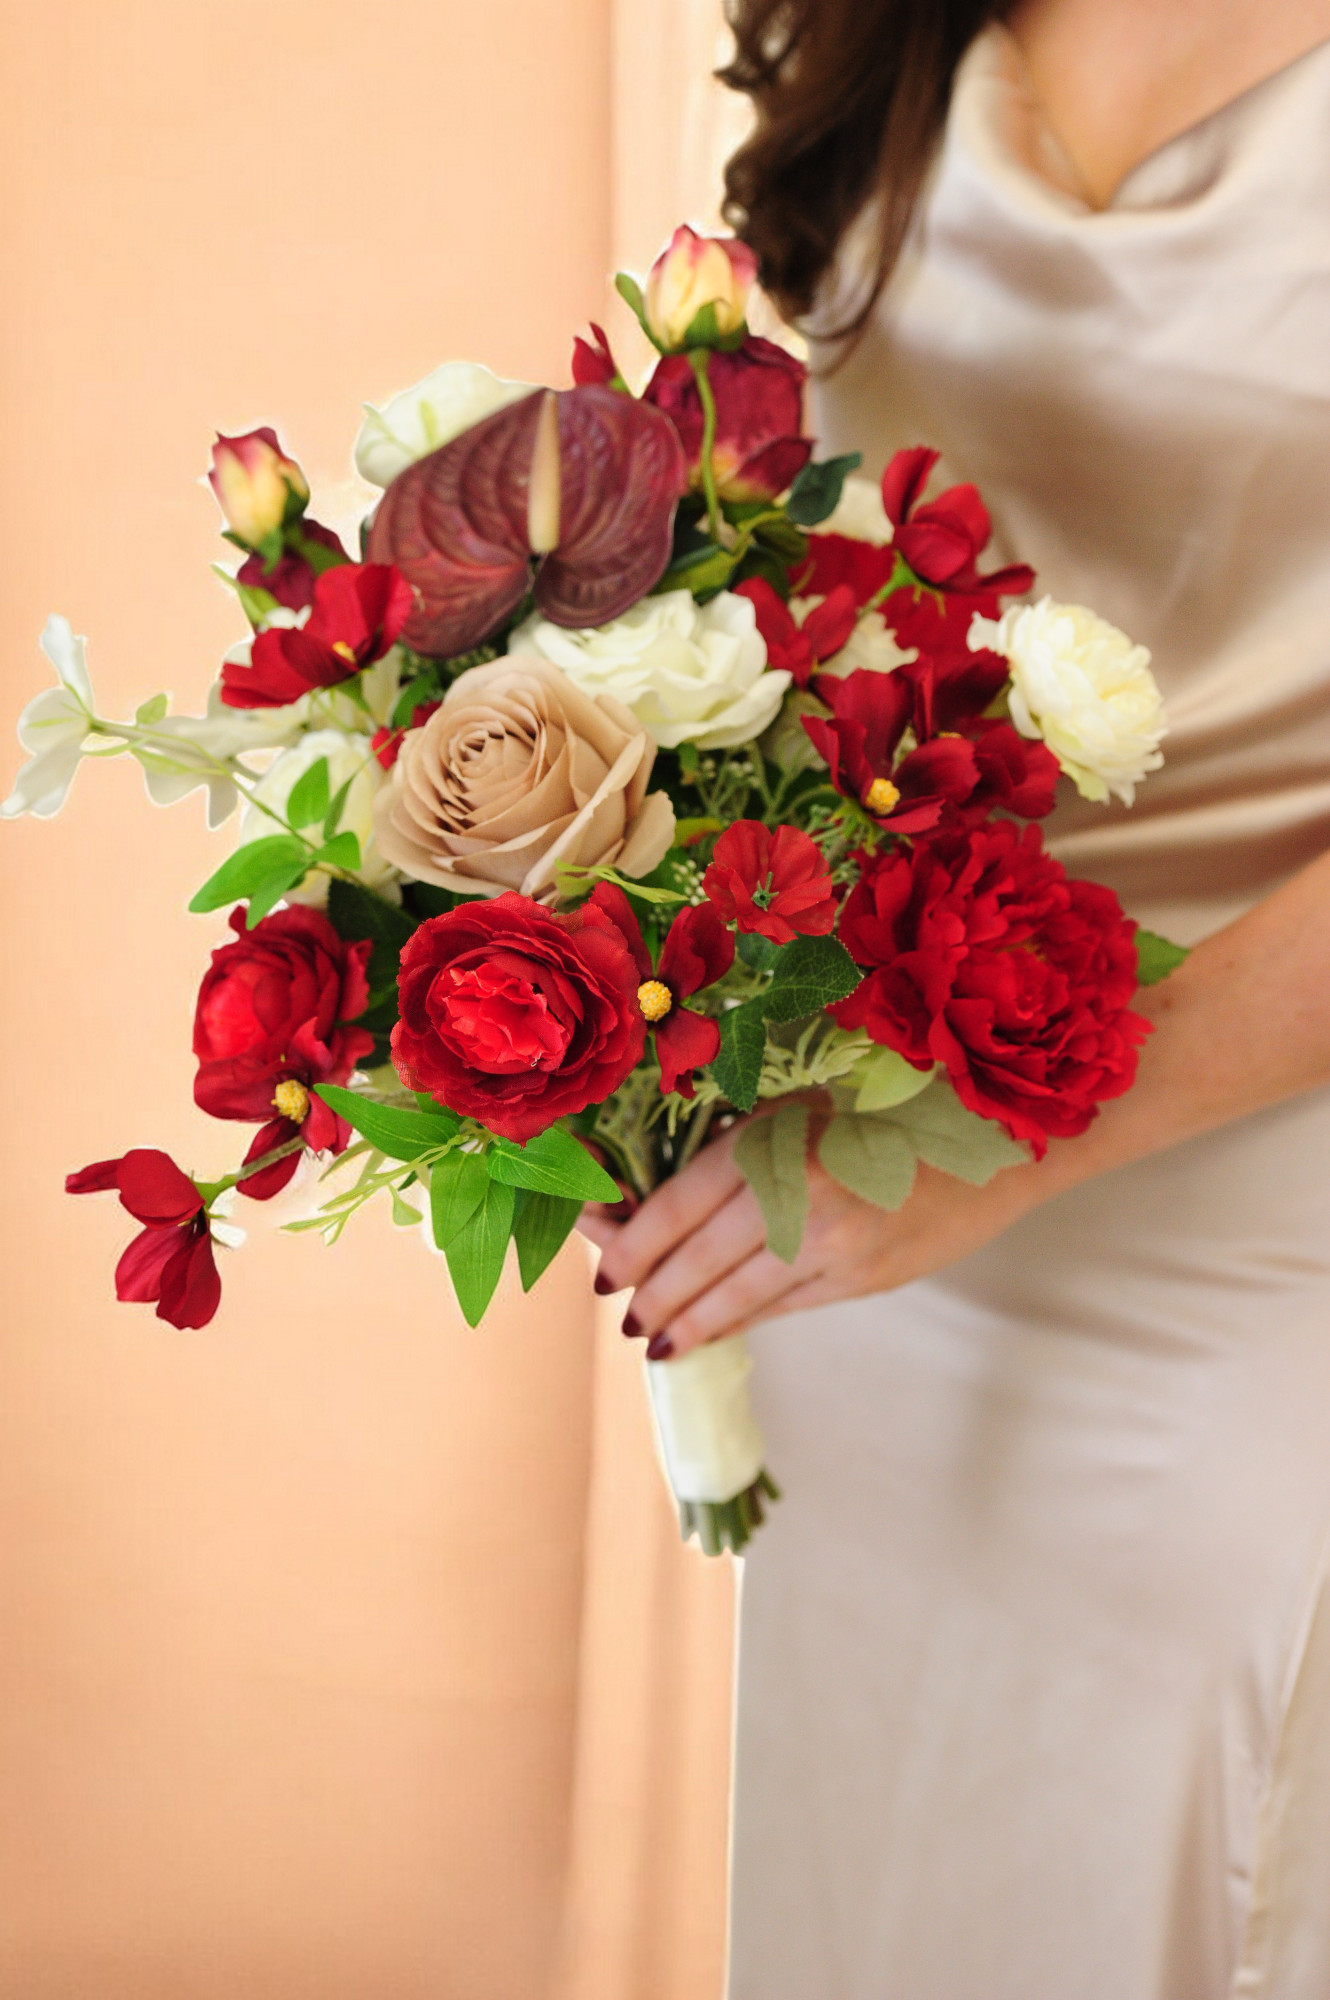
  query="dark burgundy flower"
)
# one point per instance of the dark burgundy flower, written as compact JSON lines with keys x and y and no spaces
{"x":982,"y":955}
{"x":758,"y":390}
{"x":515,"y":1016}
{"x":359,"y":610}
{"x":776,"y":884}
{"x":292,"y":577}
{"x":943,"y":539}
{"x":861,"y":739}
{"x":698,"y":950}
{"x":800,"y":649}
{"x":170,"y":1262}
{"x":272,"y":1021}
{"x":592,"y":360}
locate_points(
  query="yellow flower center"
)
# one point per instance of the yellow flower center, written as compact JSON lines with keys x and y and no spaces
{"x":291,"y":1100}
{"x":881,"y":796}
{"x":655,"y":999}
{"x":344,"y":651}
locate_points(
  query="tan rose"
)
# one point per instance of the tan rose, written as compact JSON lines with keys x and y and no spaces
{"x":518,"y":771}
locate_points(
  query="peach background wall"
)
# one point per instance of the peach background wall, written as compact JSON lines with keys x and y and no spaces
{"x":343,"y":1652}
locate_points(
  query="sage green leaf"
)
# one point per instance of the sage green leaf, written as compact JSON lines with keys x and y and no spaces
{"x":816,"y":492}
{"x":403,"y":1212}
{"x":953,"y":1139}
{"x":457,"y":1186}
{"x":309,"y":797}
{"x":476,"y":1254}
{"x":738,"y":1065}
{"x":810,"y":974}
{"x":251,"y":868}
{"x":552,"y":1163}
{"x":542,"y":1227}
{"x":771,"y":1154}
{"x":631,"y":293}
{"x":870,"y":1156}
{"x":886,"y":1079}
{"x":396,"y":1130}
{"x":1156,"y":957}
{"x":152,"y":711}
{"x":756,"y":950}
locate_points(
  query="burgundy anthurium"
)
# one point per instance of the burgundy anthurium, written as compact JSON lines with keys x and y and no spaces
{"x":800,"y":649}
{"x":359,"y":610}
{"x":569,"y":495}
{"x":773,"y":882}
{"x":758,"y":390}
{"x":170,"y":1263}
{"x":698,"y":950}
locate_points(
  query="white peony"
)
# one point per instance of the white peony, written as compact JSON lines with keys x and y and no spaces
{"x":859,"y":513}
{"x":1085,"y":688}
{"x":53,"y":728}
{"x":432,"y":413}
{"x":691,"y":673}
{"x":348,"y":757}
{"x":872,"y":643}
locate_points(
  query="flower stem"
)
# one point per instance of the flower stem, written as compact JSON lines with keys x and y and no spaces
{"x":699,"y":360}
{"x":212,"y":1189}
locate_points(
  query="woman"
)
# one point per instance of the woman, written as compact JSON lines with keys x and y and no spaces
{"x":1035,"y":1658}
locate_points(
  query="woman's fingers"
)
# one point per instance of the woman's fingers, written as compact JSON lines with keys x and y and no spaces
{"x":674,"y":1211}
{"x":732,"y":1234}
{"x":751,"y":1291}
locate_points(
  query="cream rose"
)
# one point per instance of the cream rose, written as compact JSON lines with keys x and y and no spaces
{"x":519,"y":771}
{"x":431,"y":413}
{"x":691,"y":673}
{"x":351,"y":762}
{"x":1085,"y":688}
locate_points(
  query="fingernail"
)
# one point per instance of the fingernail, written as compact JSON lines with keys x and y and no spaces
{"x":660,"y":1347}
{"x":632,"y":1326}
{"x":604,"y":1286}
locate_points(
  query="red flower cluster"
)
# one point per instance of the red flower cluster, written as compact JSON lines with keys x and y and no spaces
{"x":758,"y":390}
{"x":801,"y":649}
{"x":358,"y":611}
{"x":776,"y":884}
{"x":170,"y":1262}
{"x":983,"y":956}
{"x":271,"y":1023}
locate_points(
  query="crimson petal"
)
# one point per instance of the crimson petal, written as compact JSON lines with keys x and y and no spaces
{"x":154,"y":1190}
{"x":191,"y":1287}
{"x":684,"y":1042}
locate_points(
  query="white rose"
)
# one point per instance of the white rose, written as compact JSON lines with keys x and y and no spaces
{"x":872,"y":643}
{"x":859,"y":513}
{"x":691,"y":673}
{"x":349,"y":757}
{"x":432,"y":413}
{"x":1085,"y":688}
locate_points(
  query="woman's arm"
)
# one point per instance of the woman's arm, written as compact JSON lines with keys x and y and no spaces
{"x":1244,"y":1023}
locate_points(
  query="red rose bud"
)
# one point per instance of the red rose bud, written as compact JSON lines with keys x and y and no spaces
{"x":259,"y":489}
{"x":798,"y":649}
{"x":359,"y":611}
{"x":698,"y":950}
{"x":593,"y":362}
{"x":690,"y":274}
{"x":942,"y":539}
{"x":292,"y":577}
{"x":272,"y":1022}
{"x":170,"y":1263}
{"x":983,"y":956}
{"x":758,"y":392}
{"x":776,"y":884}
{"x":515,"y":1016}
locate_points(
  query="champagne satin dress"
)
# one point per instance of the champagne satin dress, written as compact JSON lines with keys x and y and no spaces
{"x":1035,"y":1663}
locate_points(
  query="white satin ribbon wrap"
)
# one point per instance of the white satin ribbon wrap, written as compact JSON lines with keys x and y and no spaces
{"x":708,"y":1434}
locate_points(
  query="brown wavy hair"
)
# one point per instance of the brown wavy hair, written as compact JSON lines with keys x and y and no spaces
{"x":851,"y":96}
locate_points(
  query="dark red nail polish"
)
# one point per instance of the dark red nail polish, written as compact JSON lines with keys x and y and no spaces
{"x":604,"y":1286}
{"x":660,"y":1347}
{"x":632,"y":1326}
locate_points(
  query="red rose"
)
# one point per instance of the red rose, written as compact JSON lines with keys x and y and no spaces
{"x":359,"y":610}
{"x":515,"y":1016}
{"x":983,"y":956}
{"x":800,"y":648}
{"x":759,"y":393}
{"x":697,"y":951}
{"x":170,"y":1262}
{"x":776,"y":884}
{"x":271,"y":1022}
{"x":292,"y":577}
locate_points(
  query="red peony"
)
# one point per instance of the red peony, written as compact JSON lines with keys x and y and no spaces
{"x":698,"y":950}
{"x":358,"y":611}
{"x":776,"y":884}
{"x":271,"y":1023}
{"x":170,"y":1262}
{"x":759,"y":393}
{"x":983,"y":956}
{"x":515,"y":1016}
{"x":799,"y":649}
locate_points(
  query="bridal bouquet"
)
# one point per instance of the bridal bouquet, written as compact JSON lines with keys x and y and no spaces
{"x":636,"y":773}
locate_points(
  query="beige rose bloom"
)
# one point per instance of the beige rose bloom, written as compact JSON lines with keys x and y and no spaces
{"x":517,"y":772}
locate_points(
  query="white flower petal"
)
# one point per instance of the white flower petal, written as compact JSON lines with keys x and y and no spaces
{"x":68,"y":655}
{"x":42,"y":786}
{"x":430,"y":414}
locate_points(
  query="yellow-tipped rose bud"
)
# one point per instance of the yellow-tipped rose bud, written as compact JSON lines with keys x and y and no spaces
{"x":258,"y":487}
{"x":291,"y":1100}
{"x":654,"y":999}
{"x":881,"y":796}
{"x":696,"y":271}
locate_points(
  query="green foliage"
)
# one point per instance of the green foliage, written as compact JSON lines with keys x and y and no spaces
{"x":808,"y":976}
{"x":1156,"y":957}
{"x":261,"y":870}
{"x":336,"y":807}
{"x":871,"y":1156}
{"x":476,"y":1254}
{"x":770,"y":1153}
{"x":953,"y":1139}
{"x":310,"y":795}
{"x":574,"y":880}
{"x":886,"y":1079}
{"x":816,"y":492}
{"x":757,"y":951}
{"x":542,"y":1226}
{"x":737,"y":1068}
{"x":356,"y":913}
{"x":394,"y":1129}
{"x":342,"y":851}
{"x":552,"y":1163}
{"x":149,"y":712}
{"x":426,"y":899}
{"x":631,"y":293}
{"x":457,"y":1185}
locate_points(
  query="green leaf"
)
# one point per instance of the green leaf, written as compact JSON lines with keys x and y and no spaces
{"x":870,"y":1156}
{"x":1156,"y":957}
{"x":886,"y":1079}
{"x":336,"y":807}
{"x":552,"y":1163}
{"x":355,"y":913}
{"x":953,"y":1139}
{"x":268,"y":894}
{"x":403,"y":1213}
{"x":756,"y":950}
{"x":816,"y":492}
{"x":810,"y":974}
{"x":152,"y":711}
{"x":400,"y":1133}
{"x":543,"y":1225}
{"x":413,"y":696}
{"x":309,"y":795}
{"x":631,"y":293}
{"x":251,"y":870}
{"x":688,"y":830}
{"x":426,"y":899}
{"x":342,"y":851}
{"x":771,"y":1154}
{"x":572,"y":880}
{"x":476,"y":1254}
{"x":737,"y":1068}
{"x":700,"y":570}
{"x":457,"y":1186}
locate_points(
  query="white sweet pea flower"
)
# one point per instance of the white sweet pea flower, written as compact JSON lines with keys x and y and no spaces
{"x":349,"y":757}
{"x":432,"y":413}
{"x":197,"y":745}
{"x":691,"y":673}
{"x":1085,"y":688}
{"x":859,"y":513}
{"x":53,"y":728}
{"x":872,"y":643}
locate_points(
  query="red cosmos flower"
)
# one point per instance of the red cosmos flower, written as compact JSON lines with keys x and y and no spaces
{"x":292,"y":577}
{"x":359,"y":609}
{"x":387,"y":743}
{"x":983,"y":956}
{"x":698,"y":950}
{"x":759,"y":391}
{"x":516,"y":1016}
{"x":271,"y":1022}
{"x":776,"y":884}
{"x":170,"y":1263}
{"x":799,"y":649}
{"x":592,"y":360}
{"x":942,"y":539}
